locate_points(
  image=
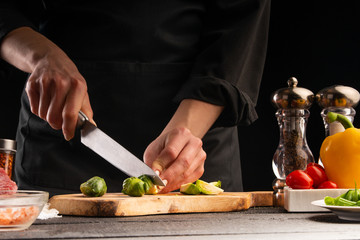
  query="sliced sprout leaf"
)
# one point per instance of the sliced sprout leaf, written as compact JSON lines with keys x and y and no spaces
{"x":216,"y":184}
{"x":207,"y":188}
{"x":190,"y":189}
{"x":201,"y":187}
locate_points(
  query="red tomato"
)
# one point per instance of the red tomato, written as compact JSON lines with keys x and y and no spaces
{"x":316,"y":165}
{"x":317,"y":173}
{"x":299,"y":179}
{"x":327,"y":184}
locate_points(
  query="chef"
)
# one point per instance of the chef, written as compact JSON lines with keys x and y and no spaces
{"x":168,"y":80}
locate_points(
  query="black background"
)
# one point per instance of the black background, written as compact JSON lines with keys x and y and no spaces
{"x":317,"y":43}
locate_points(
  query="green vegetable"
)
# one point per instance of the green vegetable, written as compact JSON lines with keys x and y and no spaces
{"x":207,"y":188}
{"x":134,"y":187}
{"x":329,"y":200}
{"x":353,"y":195}
{"x":190,"y":188}
{"x":350,"y":198}
{"x":137,"y":187}
{"x":350,"y":195}
{"x":344,"y":202}
{"x":150,"y":187}
{"x":94,"y":187}
{"x":216,"y":184}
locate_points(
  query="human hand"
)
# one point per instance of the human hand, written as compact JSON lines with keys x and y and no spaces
{"x":55,"y":88}
{"x":178,"y":156}
{"x":57,"y":92}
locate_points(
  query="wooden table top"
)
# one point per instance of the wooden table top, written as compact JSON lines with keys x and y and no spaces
{"x":255,"y":223}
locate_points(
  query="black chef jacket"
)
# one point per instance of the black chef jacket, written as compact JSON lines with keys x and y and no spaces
{"x":140,"y":58}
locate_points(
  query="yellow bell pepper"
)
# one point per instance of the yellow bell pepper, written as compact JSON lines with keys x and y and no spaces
{"x":340,"y":153}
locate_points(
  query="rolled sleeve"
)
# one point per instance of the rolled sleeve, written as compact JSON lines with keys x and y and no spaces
{"x":13,"y":15}
{"x":228,"y":69}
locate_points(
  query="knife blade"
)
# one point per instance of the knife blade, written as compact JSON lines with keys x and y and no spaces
{"x":113,"y":152}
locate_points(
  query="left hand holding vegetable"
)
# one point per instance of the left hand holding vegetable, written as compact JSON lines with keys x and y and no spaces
{"x":177,"y":153}
{"x":178,"y":156}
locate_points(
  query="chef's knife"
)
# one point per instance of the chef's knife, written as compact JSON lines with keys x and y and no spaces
{"x":113,"y":152}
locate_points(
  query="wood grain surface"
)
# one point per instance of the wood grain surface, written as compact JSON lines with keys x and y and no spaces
{"x":118,"y":204}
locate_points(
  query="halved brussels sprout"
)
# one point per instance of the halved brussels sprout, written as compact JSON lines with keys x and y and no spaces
{"x":94,"y":187}
{"x":190,"y":188}
{"x":207,"y":188}
{"x":134,"y":187}
{"x":150,"y":187}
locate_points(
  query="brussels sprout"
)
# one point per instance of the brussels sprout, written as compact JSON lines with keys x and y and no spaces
{"x":150,"y":187}
{"x":94,"y":187}
{"x":134,"y":187}
{"x":216,"y":184}
{"x":190,"y":188}
{"x":207,"y":188}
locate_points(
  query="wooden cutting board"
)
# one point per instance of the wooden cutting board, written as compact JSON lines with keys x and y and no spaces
{"x":118,"y":204}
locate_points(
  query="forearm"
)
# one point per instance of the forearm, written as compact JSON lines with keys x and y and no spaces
{"x":195,"y":115}
{"x":23,"y":47}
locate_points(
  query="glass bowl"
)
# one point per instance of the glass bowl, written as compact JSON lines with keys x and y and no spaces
{"x":20,"y":209}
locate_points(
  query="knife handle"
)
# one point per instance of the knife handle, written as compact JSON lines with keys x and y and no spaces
{"x":82,"y":118}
